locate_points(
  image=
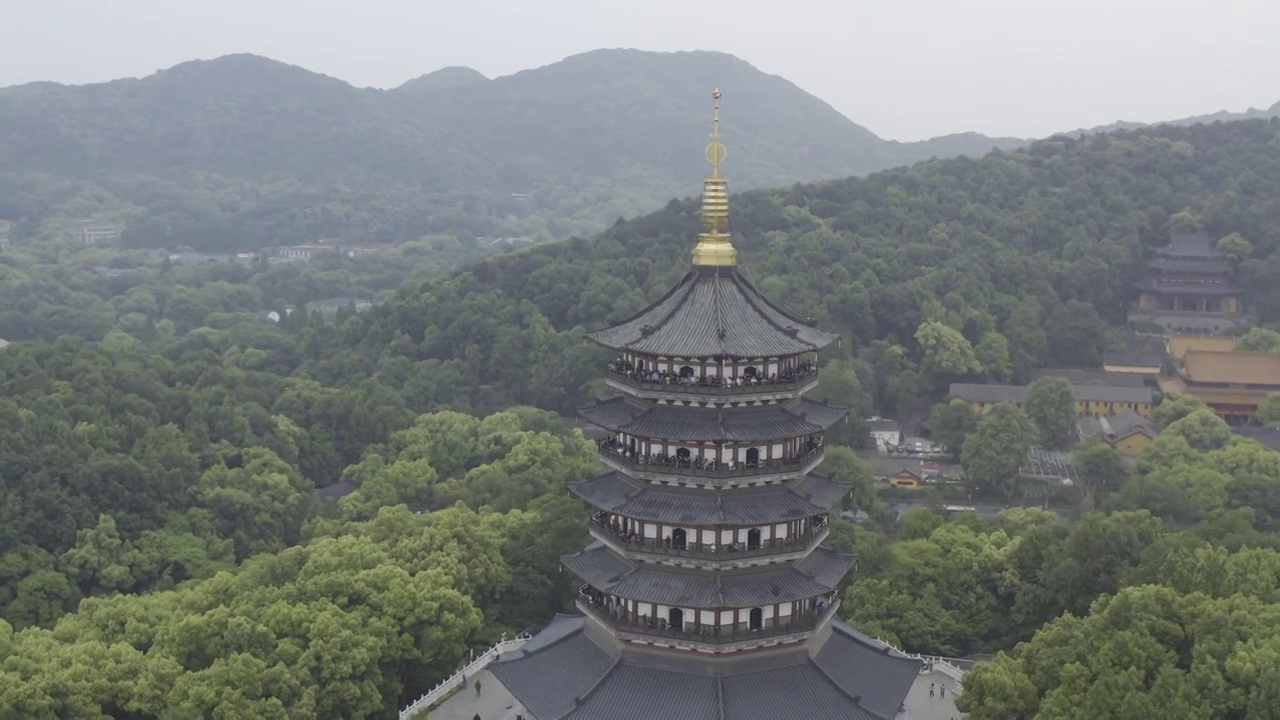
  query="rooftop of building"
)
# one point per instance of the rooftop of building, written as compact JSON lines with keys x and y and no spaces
{"x":1265,"y":435}
{"x":1196,"y":244}
{"x":1116,"y":427}
{"x":1174,"y":386}
{"x":1091,"y":376}
{"x":742,"y":424}
{"x":1179,"y":344}
{"x":878,"y":424}
{"x":1232,"y":367}
{"x":1138,"y":351}
{"x":568,"y":671}
{"x":714,"y":312}
{"x":975,"y":392}
{"x":813,"y":495}
{"x":1190,"y":267}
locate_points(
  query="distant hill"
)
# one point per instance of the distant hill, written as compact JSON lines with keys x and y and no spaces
{"x":1220,"y":116}
{"x":243,"y":150}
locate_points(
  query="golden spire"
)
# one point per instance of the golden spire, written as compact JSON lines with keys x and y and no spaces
{"x":714,"y":246}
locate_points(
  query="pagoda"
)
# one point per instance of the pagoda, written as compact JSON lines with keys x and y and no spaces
{"x":1189,"y":288}
{"x":706,"y":591}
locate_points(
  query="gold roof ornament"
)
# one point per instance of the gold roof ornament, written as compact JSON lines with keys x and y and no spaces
{"x":715,"y":248}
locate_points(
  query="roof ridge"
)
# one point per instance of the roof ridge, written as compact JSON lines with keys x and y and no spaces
{"x":577,"y":702}
{"x":752,"y":295}
{"x":720,"y":713}
{"x":665,"y":296}
{"x":856,"y":699}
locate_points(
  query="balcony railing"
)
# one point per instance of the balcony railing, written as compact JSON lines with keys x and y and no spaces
{"x":710,"y":386}
{"x":603,"y":529}
{"x":625,"y":622}
{"x":615,"y":452}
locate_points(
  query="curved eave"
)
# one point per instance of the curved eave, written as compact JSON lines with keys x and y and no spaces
{"x":818,"y":574}
{"x":713,"y":313}
{"x":731,"y":424}
{"x":814,"y":495}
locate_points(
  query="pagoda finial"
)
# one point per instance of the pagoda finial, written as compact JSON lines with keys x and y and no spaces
{"x":714,"y":246}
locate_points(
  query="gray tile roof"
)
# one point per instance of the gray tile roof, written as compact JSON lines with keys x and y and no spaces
{"x":1117,"y":427}
{"x":1268,"y":436}
{"x":817,"y":574}
{"x":1077,"y":376}
{"x":650,"y":693}
{"x":975,"y":392}
{"x":714,"y":312}
{"x":814,"y":495}
{"x":1191,"y":267}
{"x":845,"y":676}
{"x":809,"y":695}
{"x":1190,"y":244}
{"x":769,"y":422}
{"x":867,"y":668}
{"x":548,"y":678}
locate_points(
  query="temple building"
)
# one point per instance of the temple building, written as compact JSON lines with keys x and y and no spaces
{"x":706,"y":592}
{"x":1189,"y":288}
{"x":1231,"y":382}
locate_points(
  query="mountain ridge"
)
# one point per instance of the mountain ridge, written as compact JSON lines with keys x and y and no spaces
{"x":268,"y":153}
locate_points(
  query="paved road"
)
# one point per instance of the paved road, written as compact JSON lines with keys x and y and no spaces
{"x":922,"y":707}
{"x":494,"y":702}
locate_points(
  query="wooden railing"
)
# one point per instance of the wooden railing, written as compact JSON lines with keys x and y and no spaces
{"x":742,"y":632}
{"x":603,"y":530}
{"x":610,"y":449}
{"x":712,"y":390}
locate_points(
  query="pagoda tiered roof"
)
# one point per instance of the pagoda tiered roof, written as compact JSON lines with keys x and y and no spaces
{"x":568,"y":673}
{"x":1190,"y":245}
{"x":739,"y":424}
{"x":814,"y":495}
{"x":1190,"y":267}
{"x":607,"y":571}
{"x":714,"y":312}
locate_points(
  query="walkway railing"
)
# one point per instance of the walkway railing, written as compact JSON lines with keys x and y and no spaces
{"x":712,"y":390}
{"x":944,"y":665}
{"x":612,"y":451}
{"x":603,"y":530}
{"x":448,"y":685}
{"x":741,"y":632}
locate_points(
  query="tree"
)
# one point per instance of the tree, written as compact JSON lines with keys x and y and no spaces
{"x":1269,"y":410}
{"x":1170,"y":411}
{"x":1051,"y":405}
{"x":947,"y":353}
{"x":1235,"y":248}
{"x":1259,"y":339}
{"x":1099,"y":462}
{"x":951,"y":422}
{"x":998,"y":446}
{"x":992,"y":353}
{"x":843,"y":465}
{"x":1202,"y":429}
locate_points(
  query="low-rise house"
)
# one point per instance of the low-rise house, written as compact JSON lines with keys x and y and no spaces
{"x":1127,"y":432}
{"x":1091,"y":400}
{"x":885,"y":432}
{"x":1143,"y":356}
{"x":93,"y":233}
{"x":1233,"y":383}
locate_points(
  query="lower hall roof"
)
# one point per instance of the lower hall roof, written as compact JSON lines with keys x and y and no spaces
{"x":605,"y":570}
{"x":571,"y":672}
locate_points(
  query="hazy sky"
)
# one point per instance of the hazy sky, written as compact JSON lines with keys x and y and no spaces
{"x":906,"y":69}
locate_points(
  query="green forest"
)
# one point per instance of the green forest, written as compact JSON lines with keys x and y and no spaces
{"x":163,"y":553}
{"x":244,"y":152}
